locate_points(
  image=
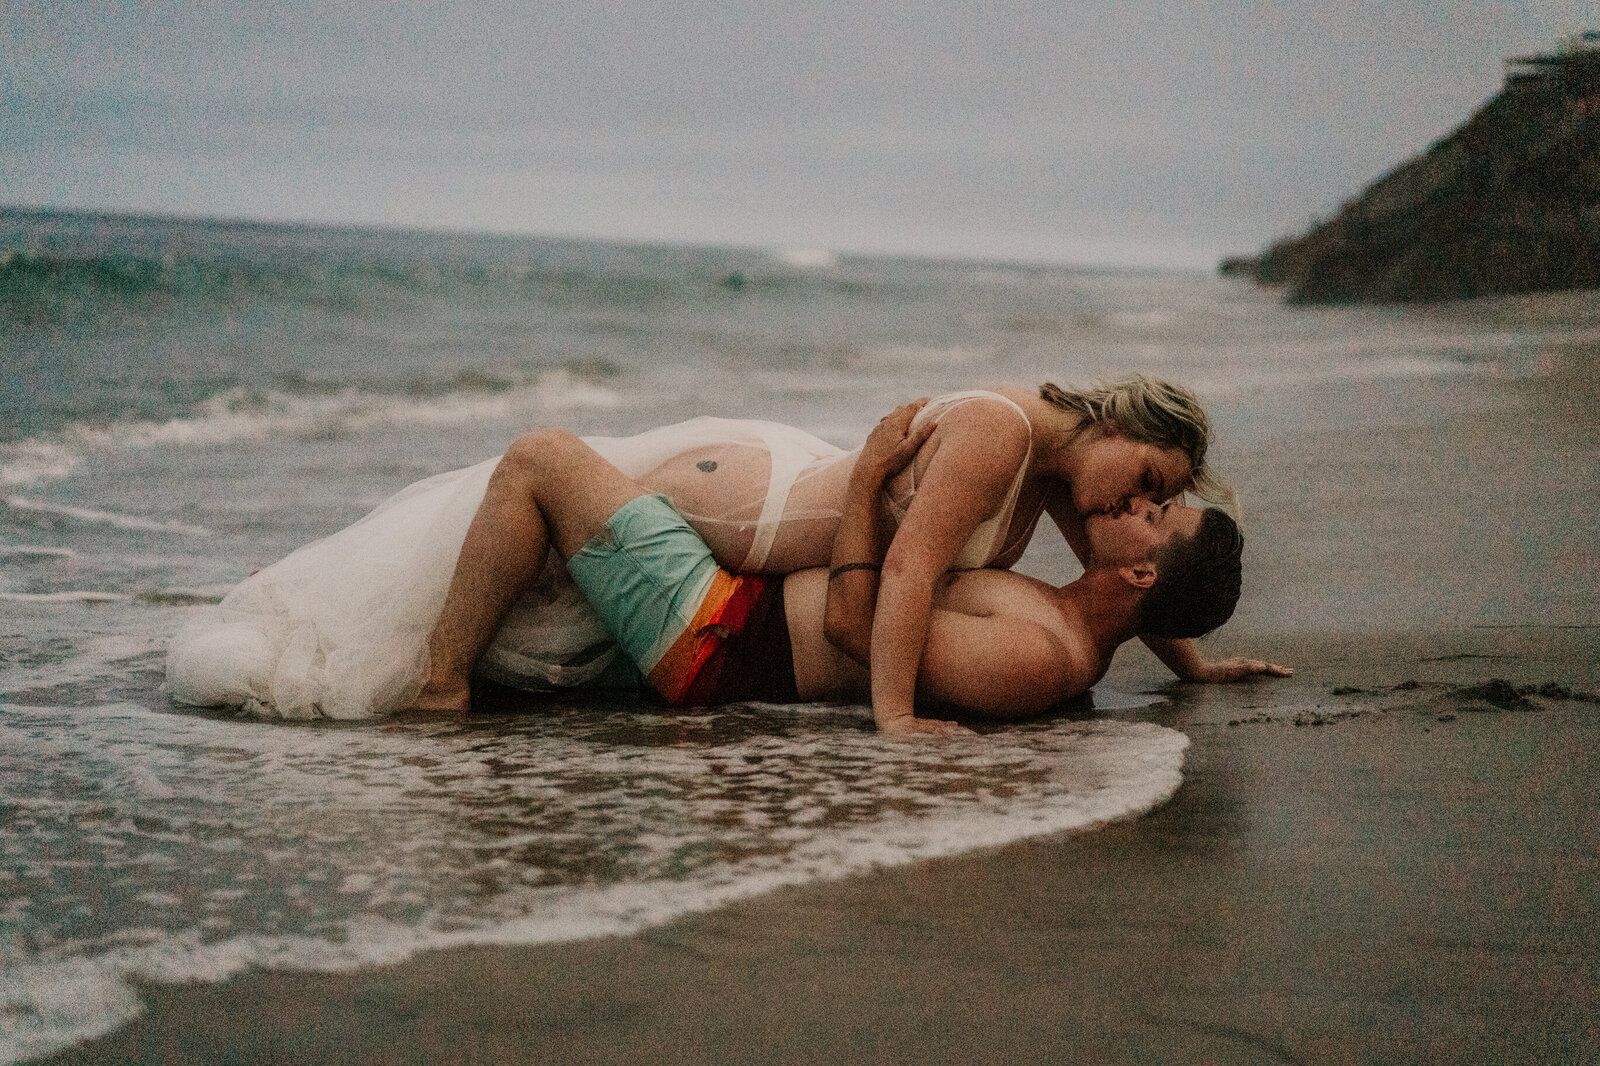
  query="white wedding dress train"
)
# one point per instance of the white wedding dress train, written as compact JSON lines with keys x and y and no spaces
{"x":339,"y":628}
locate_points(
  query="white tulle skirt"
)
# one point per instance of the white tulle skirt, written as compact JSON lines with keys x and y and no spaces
{"x":339,"y":628}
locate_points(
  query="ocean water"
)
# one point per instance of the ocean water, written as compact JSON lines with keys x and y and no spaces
{"x":185,"y":401}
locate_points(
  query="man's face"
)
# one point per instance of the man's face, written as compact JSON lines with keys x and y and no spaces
{"x":1140,"y":532}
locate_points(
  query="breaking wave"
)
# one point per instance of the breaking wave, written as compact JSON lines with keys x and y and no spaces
{"x":244,"y":414}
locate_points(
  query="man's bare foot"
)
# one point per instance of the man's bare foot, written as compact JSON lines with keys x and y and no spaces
{"x":457,"y":697}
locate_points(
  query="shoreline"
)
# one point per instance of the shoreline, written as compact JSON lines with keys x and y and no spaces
{"x":1396,"y":885}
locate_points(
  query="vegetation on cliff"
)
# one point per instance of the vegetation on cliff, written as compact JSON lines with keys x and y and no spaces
{"x":1508,"y":203}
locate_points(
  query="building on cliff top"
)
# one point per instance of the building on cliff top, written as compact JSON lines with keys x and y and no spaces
{"x":1578,"y":55}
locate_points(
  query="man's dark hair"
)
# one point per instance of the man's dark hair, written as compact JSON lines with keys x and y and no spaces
{"x":1197,"y":580}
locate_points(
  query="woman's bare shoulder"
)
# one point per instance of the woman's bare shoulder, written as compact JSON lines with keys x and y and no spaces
{"x":991,"y":426}
{"x":1000,"y":399}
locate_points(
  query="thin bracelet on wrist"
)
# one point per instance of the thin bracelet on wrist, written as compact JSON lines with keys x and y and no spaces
{"x":847,"y":567}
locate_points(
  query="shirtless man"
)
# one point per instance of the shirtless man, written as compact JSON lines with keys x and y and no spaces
{"x":999,"y":645}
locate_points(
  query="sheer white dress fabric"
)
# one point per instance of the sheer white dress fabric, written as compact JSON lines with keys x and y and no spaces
{"x":339,"y":628}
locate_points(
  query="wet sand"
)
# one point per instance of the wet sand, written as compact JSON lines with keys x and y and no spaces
{"x":1387,"y":858}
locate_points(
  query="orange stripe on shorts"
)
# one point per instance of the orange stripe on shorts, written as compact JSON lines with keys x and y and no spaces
{"x":722,"y":612}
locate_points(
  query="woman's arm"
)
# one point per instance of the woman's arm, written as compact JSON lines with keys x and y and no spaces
{"x":978,"y":450}
{"x":859,"y":541}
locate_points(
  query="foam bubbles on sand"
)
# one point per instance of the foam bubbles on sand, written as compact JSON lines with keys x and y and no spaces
{"x":198,"y":846}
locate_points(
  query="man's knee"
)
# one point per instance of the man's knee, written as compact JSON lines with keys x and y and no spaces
{"x":539,"y":453}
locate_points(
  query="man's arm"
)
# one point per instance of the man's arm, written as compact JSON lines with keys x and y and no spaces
{"x":1185,"y":660}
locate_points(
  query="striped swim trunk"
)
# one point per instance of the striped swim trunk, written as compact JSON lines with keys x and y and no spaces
{"x":699,"y":634}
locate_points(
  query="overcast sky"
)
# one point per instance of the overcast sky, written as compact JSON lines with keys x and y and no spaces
{"x":1096,"y":133}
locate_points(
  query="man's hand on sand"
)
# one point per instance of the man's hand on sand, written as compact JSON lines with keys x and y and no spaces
{"x":1240,"y":668}
{"x":908,"y":725}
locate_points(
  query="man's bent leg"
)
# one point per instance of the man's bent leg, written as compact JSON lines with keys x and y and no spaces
{"x":550,"y":488}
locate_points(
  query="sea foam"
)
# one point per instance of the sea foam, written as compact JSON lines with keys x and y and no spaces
{"x":95,"y":516}
{"x":34,"y":551}
{"x":560,"y":827}
{"x":807,"y":258}
{"x":63,"y":596}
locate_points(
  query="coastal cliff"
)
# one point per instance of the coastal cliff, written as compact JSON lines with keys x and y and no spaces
{"x":1508,"y":203}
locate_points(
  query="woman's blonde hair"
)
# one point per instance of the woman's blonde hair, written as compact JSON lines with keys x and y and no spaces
{"x":1151,"y":412}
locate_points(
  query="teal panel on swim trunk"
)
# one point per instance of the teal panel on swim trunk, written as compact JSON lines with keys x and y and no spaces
{"x":645,"y":574}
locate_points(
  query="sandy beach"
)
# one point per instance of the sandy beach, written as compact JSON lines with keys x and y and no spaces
{"x":1391,"y":857}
